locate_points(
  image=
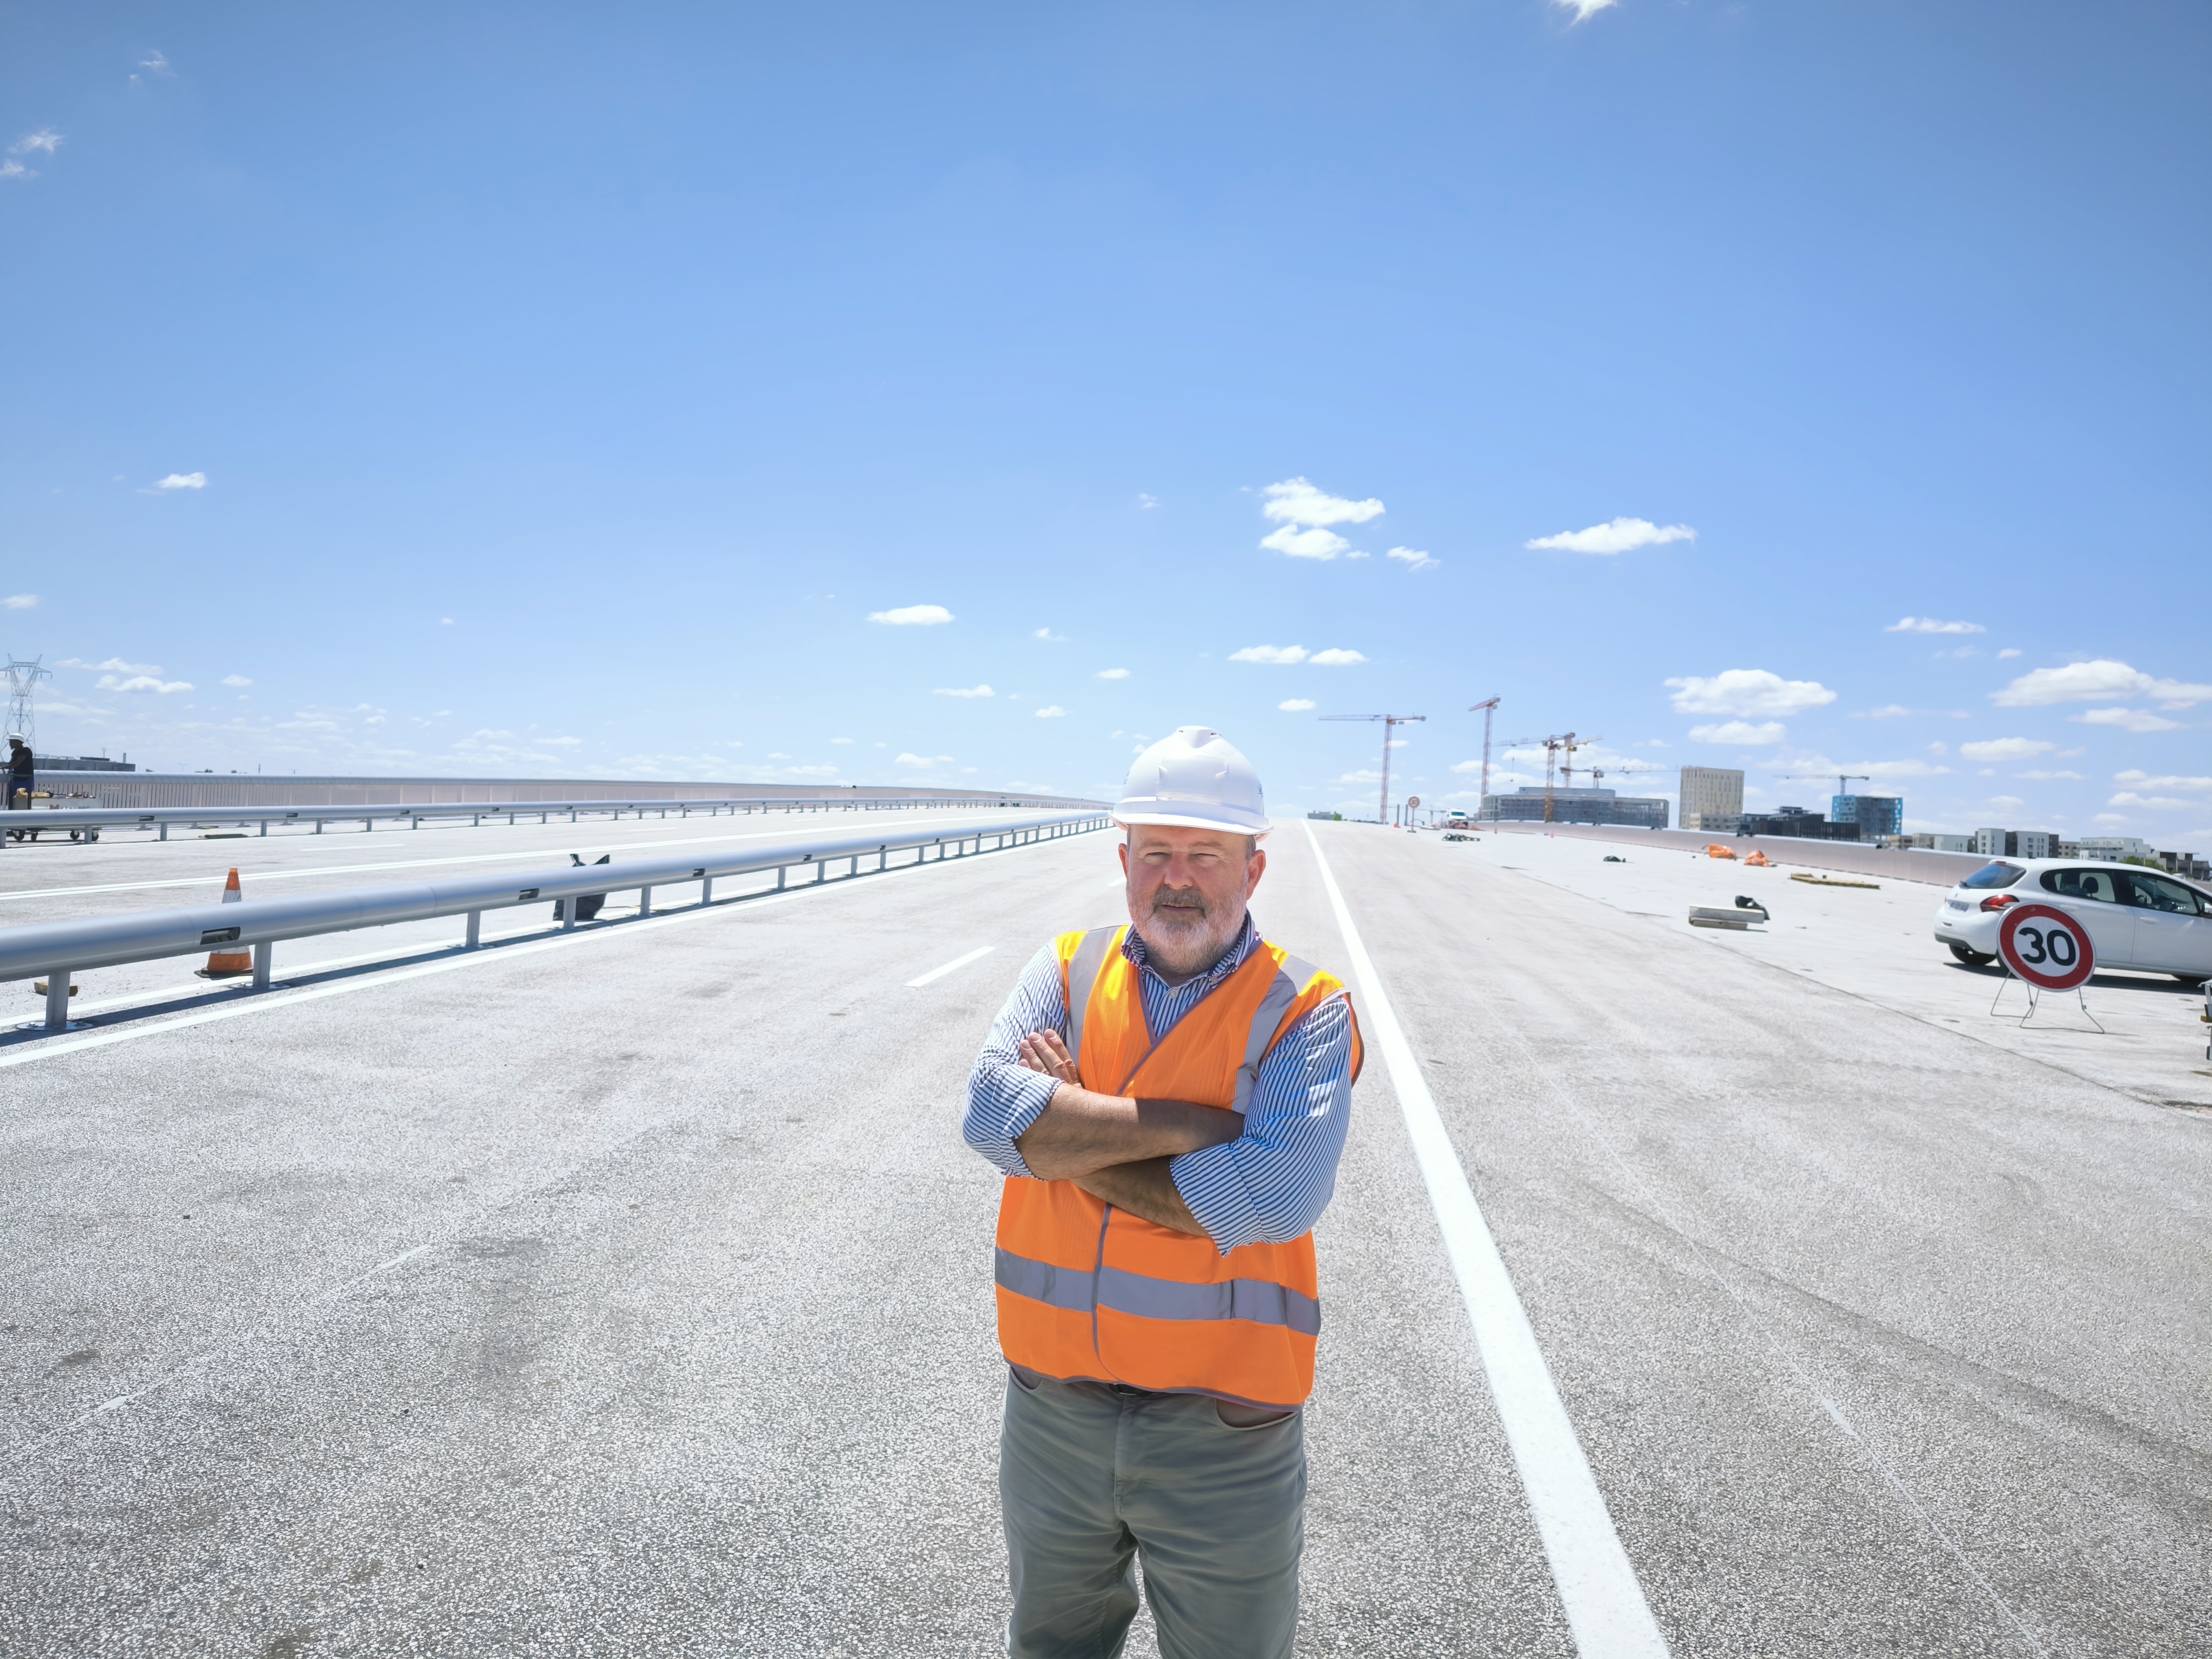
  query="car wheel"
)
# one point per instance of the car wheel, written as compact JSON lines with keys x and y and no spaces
{"x":1973,"y":958}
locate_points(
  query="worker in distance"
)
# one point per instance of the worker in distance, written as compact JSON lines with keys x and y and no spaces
{"x":1167,"y":1101}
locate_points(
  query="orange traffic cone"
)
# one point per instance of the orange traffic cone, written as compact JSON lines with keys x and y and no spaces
{"x":227,"y":964}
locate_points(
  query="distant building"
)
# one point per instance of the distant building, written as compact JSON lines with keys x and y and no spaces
{"x":1927,"y":841}
{"x":2113,"y":847}
{"x":84,"y":763}
{"x":2019,"y":844}
{"x":1576,"y":806}
{"x":2185,"y":864}
{"x":1875,"y":815}
{"x":1798,"y":821}
{"x":1711,"y":793}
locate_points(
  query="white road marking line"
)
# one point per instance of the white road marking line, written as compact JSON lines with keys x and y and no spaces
{"x":40,"y":1049}
{"x":409,"y":864}
{"x":957,"y":961}
{"x":1604,"y":1604}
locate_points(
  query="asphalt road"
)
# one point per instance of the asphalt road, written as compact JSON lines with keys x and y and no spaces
{"x":629,"y":1291}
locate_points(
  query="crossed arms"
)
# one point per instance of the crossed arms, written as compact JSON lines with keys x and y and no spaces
{"x":1114,"y":1147}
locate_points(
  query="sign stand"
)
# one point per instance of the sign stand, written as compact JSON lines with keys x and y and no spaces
{"x":2035,"y":994}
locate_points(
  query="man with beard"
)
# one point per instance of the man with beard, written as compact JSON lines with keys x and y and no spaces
{"x":1168,"y":1102}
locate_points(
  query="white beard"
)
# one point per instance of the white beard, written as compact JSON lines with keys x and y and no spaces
{"x":1186,"y":948}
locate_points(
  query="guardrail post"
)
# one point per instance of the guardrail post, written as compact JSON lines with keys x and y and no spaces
{"x":165,"y":832}
{"x":368,"y":826}
{"x":265,"y":826}
{"x":319,"y":826}
{"x":706,"y":891}
{"x":781,"y":870}
{"x":475,"y":931}
{"x":417,"y":823}
{"x":569,"y":915}
{"x":264,"y":957}
{"x":645,"y":901}
{"x":57,"y":989}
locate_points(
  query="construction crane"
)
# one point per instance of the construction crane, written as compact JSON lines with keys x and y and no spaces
{"x":1567,"y":766}
{"x":1489,"y":706}
{"x":1843,"y":779}
{"x":1554,"y":745}
{"x":1388,"y":722}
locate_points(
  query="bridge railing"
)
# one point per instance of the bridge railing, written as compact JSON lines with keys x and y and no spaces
{"x":96,"y":818}
{"x":58,"y":949}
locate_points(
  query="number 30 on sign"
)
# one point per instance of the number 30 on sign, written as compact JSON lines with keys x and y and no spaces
{"x":2045,"y":946}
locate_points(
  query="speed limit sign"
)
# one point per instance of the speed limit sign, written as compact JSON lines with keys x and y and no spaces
{"x":2045,"y":946}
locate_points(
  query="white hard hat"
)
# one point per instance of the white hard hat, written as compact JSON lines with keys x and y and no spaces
{"x":1193,"y":779}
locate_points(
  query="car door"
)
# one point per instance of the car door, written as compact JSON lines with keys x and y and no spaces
{"x":2099,"y":899}
{"x":2173,"y":934}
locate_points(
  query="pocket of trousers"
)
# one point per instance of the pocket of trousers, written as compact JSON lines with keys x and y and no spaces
{"x":1026,"y":1381}
{"x":1222,"y":1408}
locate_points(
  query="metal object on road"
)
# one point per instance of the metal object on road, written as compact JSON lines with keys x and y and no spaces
{"x":256,"y":925}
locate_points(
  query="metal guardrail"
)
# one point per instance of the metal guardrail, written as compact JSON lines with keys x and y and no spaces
{"x":58,"y":949}
{"x":38,"y":820}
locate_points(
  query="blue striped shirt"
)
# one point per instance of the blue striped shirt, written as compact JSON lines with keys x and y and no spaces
{"x":1269,"y":1185}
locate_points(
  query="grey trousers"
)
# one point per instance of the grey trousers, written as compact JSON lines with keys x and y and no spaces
{"x":1091,"y":1477}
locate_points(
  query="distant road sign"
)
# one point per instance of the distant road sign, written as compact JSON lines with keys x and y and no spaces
{"x":1413,"y":800}
{"x":2045,"y":946}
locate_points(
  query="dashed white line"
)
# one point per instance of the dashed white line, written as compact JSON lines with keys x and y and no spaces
{"x":1598,"y":1589}
{"x":957,"y":961}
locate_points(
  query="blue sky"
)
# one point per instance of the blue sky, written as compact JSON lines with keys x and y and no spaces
{"x":562,"y":390}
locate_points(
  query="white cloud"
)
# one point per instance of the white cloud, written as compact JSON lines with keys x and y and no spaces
{"x":143,"y":682}
{"x":2145,"y":781}
{"x":1584,"y":9}
{"x":1273,"y":654}
{"x":22,"y":601}
{"x":841,"y":739}
{"x":15,"y":169}
{"x":811,"y":771}
{"x":1113,"y":673}
{"x":1621,"y":535}
{"x":912,"y":616}
{"x":1336,"y":658}
{"x":1047,"y":634}
{"x":112,"y":665}
{"x":45,"y":139}
{"x":2006,"y":748}
{"x":1295,"y":501}
{"x":1417,"y":561}
{"x":1147,"y":501}
{"x":2009,"y":651}
{"x":1305,"y":543}
{"x":1888,"y":712}
{"x":2101,"y":681}
{"x":912,"y":760}
{"x":1930,"y":625}
{"x":2051,"y":777}
{"x":2165,"y":803}
{"x":183,"y":481}
{"x":1052,"y":711}
{"x":563,"y":743}
{"x":2127,"y":719}
{"x":1296,"y":705}
{"x":2007,"y":800}
{"x":1740,"y":731}
{"x":236,"y":680}
{"x":1748,"y":691}
{"x":1360,"y":777}
{"x":154,"y":64}
{"x":965,"y":691}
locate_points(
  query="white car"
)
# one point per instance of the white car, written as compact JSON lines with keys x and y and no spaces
{"x":2134,"y":917}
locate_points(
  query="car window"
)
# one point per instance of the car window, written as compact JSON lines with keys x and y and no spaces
{"x":1999,"y":874}
{"x":2156,"y":893}
{"x":2100,"y":884}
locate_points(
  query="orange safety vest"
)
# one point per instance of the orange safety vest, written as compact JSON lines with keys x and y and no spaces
{"x":1088,"y":1292}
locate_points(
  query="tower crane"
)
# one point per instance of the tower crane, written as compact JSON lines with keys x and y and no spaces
{"x":1388,"y":722}
{"x":1489,"y":706}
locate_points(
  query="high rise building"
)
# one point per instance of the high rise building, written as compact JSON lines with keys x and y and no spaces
{"x":1875,"y":815}
{"x":1711,"y":793}
{"x":1576,"y":806}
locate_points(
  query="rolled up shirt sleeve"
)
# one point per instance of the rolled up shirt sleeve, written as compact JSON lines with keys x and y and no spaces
{"x":1270,"y":1183}
{"x":1003,"y":1096}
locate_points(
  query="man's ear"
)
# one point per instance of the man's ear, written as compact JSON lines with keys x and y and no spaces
{"x":1254,"y":869}
{"x":1123,"y":849}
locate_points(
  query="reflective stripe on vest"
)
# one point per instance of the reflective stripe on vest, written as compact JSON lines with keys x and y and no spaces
{"x":1087,"y":1290}
{"x":1259,"y":1301}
